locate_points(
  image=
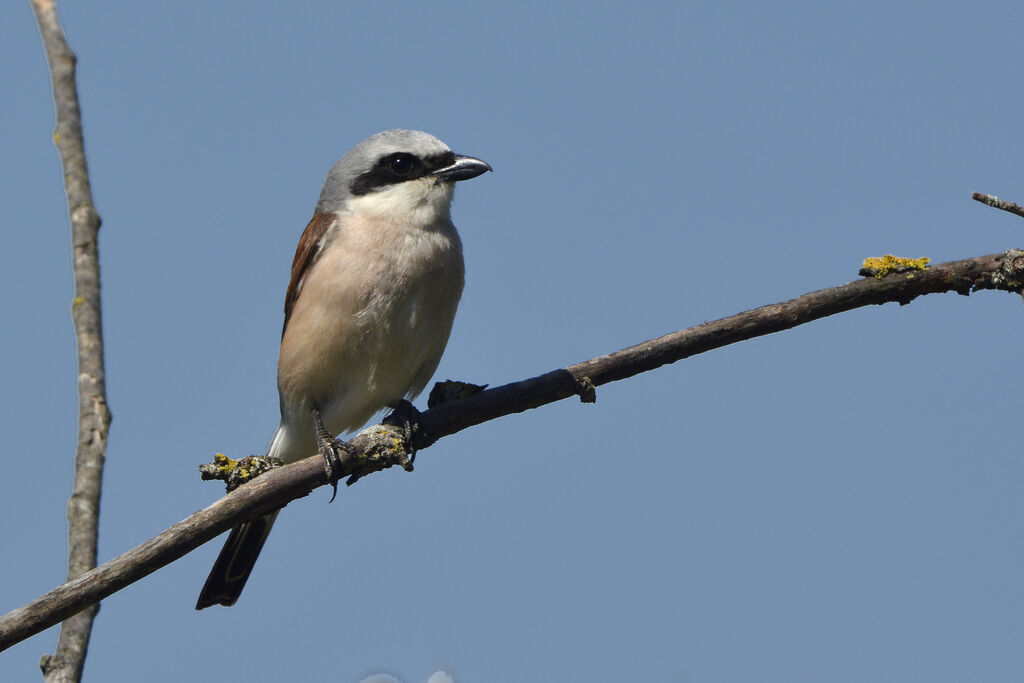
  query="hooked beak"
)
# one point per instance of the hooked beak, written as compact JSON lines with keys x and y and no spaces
{"x":464,"y":168}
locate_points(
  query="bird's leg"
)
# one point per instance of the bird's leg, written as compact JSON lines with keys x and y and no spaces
{"x":406,"y":417}
{"x":329,"y":448}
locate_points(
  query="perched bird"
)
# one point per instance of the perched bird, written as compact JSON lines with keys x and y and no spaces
{"x":375,"y":283}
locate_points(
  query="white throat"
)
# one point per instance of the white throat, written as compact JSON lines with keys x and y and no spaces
{"x":420,"y":202}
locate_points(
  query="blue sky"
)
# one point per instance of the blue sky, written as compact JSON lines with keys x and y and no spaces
{"x":838,"y":502}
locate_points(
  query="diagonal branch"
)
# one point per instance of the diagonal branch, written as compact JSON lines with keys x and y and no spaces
{"x":998,"y":203}
{"x":997,"y":271}
{"x":279,"y":486}
{"x":93,"y":415}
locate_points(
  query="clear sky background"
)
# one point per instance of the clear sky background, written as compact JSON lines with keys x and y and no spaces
{"x":839,"y":502}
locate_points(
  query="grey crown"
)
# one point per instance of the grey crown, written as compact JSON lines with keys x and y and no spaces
{"x":362,"y":158}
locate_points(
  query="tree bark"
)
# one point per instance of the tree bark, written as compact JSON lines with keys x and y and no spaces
{"x":93,"y":415}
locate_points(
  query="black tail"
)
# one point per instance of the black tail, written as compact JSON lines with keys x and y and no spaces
{"x":235,"y":562}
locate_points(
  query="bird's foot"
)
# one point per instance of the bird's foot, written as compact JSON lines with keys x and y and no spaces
{"x":406,"y":417}
{"x":333,"y":452}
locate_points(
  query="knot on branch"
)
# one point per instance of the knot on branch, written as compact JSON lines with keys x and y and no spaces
{"x":1010,"y":276}
{"x":586,"y":390}
{"x":378,"y":448}
{"x":234,"y":473}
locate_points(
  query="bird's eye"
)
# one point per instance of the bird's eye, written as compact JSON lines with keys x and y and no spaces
{"x":401,"y":164}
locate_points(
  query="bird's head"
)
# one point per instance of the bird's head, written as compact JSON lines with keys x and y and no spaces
{"x":405,"y":175}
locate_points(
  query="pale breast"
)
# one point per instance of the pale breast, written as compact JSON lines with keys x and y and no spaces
{"x":372,"y":320}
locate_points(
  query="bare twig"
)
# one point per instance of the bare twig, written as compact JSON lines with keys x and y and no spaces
{"x":997,"y":271}
{"x":93,"y":415}
{"x":998,"y":203}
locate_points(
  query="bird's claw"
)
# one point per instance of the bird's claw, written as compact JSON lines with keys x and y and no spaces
{"x":333,"y":452}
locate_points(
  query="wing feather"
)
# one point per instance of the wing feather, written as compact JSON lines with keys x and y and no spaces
{"x":306,"y":253}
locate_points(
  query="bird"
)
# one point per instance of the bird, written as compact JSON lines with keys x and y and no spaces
{"x":375,"y":284}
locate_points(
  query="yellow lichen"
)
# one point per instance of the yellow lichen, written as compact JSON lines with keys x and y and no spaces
{"x":880,"y":267}
{"x":224,"y":463}
{"x":234,"y":473}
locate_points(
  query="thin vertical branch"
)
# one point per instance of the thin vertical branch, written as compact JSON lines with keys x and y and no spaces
{"x":93,"y":415}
